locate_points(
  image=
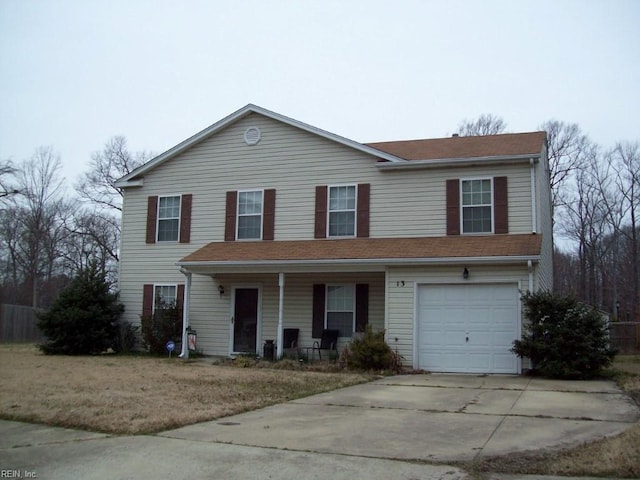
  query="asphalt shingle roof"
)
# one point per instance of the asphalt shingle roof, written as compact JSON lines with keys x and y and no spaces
{"x":368,"y":249}
{"x":465,"y":147}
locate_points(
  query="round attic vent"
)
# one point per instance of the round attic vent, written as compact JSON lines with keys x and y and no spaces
{"x":252,"y":135}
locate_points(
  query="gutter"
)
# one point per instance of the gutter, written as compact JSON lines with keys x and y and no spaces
{"x":458,"y":162}
{"x":504,"y":259}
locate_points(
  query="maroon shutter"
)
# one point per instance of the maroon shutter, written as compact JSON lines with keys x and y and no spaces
{"x":147,"y":300}
{"x":269,"y":214}
{"x":321,"y":212}
{"x":180,"y":296}
{"x":453,"y":207}
{"x":362,"y":306}
{"x":363,"y":209}
{"x":500,"y":205}
{"x":319,"y":293}
{"x":230,"y":217}
{"x":185,"y":218}
{"x":152,"y":217}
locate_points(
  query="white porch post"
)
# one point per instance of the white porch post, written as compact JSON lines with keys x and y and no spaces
{"x":185,"y":314}
{"x":280,"y":316}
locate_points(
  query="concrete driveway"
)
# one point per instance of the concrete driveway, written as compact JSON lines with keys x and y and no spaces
{"x":432,"y":418}
{"x":365,"y":431}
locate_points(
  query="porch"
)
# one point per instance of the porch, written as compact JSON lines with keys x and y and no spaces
{"x":236,"y":313}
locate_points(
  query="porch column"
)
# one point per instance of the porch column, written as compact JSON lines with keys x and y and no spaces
{"x":185,"y":314}
{"x":280,"y":316}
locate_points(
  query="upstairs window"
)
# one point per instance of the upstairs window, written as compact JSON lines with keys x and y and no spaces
{"x":477,"y":206}
{"x":168,"y":219}
{"x":250,"y":215}
{"x":342,"y":211}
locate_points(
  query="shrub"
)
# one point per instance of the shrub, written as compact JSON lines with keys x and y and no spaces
{"x":563,"y":337}
{"x":84,"y":318}
{"x":126,"y":338}
{"x":165,"y":324}
{"x":369,"y":352}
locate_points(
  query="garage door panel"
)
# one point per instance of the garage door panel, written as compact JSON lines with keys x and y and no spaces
{"x":486,"y":314}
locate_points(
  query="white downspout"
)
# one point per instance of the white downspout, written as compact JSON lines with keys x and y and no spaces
{"x":530,"y":267}
{"x":534,"y":208}
{"x":185,"y":314}
{"x":280,"y":340}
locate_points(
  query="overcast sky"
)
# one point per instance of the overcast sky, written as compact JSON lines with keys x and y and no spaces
{"x":74,"y":73}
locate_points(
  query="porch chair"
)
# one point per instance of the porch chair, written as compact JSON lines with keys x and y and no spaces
{"x":328,"y":341}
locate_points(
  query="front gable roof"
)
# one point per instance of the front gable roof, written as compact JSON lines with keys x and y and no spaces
{"x":129,"y":179}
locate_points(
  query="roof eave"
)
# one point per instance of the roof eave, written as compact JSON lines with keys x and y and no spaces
{"x":461,"y":162}
{"x":367,"y":264}
{"x":237,"y":115}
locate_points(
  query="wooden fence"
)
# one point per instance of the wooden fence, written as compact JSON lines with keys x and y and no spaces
{"x":18,"y":324}
{"x":625,"y":336}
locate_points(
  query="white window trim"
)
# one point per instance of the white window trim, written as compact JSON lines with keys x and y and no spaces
{"x":238,"y":215}
{"x":355,"y":210}
{"x":155,"y":285}
{"x":326,"y":304}
{"x":172,"y":218}
{"x":462,"y":207}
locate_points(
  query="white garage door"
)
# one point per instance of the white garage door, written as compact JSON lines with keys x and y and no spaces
{"x":468,"y":328}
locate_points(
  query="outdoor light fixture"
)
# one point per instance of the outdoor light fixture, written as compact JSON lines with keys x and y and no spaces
{"x":221,"y":289}
{"x":465,"y":273}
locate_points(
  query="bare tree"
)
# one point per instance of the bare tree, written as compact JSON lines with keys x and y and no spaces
{"x":97,"y":186}
{"x":485,"y":124}
{"x":6,"y":174}
{"x":568,"y":148}
{"x":626,"y":160}
{"x":586,"y":222}
{"x":39,"y":214}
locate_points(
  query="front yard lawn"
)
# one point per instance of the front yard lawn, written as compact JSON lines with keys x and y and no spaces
{"x":141,"y":394}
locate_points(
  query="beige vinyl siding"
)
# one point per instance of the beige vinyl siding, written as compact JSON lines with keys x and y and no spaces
{"x":545,"y":225}
{"x":401,"y":302}
{"x":412,"y":202}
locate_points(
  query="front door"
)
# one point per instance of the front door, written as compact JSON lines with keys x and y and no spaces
{"x":245,"y":320}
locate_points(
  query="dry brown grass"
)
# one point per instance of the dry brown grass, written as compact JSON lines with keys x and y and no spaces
{"x":139,"y":394}
{"x":617,"y":456}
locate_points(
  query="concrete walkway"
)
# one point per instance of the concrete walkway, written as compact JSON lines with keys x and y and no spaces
{"x":365,"y":431}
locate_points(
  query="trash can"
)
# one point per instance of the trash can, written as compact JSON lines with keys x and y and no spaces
{"x":192,"y":337}
{"x":269,"y":350}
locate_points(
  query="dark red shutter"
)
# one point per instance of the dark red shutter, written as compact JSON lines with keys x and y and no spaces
{"x":319,"y":295}
{"x":321,"y":212}
{"x":453,"y":207}
{"x":152,"y":217}
{"x":230,"y":217}
{"x":147,"y":300}
{"x":362,"y":306}
{"x":362,"y":212}
{"x":185,"y":218}
{"x":500,"y":205}
{"x":269,"y":214}
{"x":180,"y":296}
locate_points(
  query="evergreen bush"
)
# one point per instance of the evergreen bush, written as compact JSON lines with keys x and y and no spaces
{"x":370,"y":352}
{"x":84,"y":318}
{"x":563,"y":337}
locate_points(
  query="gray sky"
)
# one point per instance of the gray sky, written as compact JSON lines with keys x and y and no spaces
{"x":74,"y":73}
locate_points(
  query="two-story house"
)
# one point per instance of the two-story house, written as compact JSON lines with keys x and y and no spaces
{"x":261,"y":222}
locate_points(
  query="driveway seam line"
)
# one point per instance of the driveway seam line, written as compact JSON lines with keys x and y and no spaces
{"x":504,"y":417}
